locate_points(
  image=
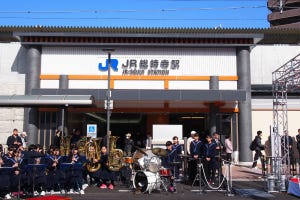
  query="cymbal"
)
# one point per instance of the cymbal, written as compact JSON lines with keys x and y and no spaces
{"x":160,"y":152}
{"x":187,"y":156}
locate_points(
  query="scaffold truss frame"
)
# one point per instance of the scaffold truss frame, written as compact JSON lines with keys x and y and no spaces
{"x":284,"y":80}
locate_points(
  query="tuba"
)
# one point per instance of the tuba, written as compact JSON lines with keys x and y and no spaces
{"x":81,"y":145}
{"x":92,"y":153}
{"x":115,"y":156}
{"x":65,"y":145}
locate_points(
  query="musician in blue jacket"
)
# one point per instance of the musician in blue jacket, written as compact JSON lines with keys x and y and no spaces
{"x":105,"y":174}
{"x":209,"y":161}
{"x":36,"y":169}
{"x":75,"y":173}
{"x":11,"y":177}
{"x":196,"y":147}
{"x":55,"y":175}
{"x":173,"y":159}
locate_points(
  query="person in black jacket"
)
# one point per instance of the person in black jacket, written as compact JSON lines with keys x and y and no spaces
{"x":298,"y":141}
{"x":259,"y":147}
{"x":14,"y":139}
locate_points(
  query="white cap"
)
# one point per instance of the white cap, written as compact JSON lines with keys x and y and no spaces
{"x":128,"y":135}
{"x":193,"y":132}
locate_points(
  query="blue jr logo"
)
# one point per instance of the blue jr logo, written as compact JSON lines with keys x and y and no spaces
{"x":113,"y":64}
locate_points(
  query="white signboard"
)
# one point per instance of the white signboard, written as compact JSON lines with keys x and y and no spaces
{"x":91,"y":130}
{"x":165,"y":132}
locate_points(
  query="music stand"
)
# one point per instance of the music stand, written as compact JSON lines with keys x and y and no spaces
{"x":33,"y":168}
{"x":70,"y":166}
{"x":6,"y":171}
{"x":198,"y":176}
{"x":64,"y":167}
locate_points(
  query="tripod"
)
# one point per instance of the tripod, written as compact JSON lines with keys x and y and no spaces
{"x":198,"y":176}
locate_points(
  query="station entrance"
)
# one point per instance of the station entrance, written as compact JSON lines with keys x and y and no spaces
{"x":138,"y":124}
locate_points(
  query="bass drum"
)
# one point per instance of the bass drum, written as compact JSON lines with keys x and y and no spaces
{"x":146,"y":181}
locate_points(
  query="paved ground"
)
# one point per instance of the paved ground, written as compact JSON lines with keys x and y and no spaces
{"x":247,"y":184}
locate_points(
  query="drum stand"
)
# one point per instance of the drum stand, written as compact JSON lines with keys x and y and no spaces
{"x":164,"y":182}
{"x":198,"y":176}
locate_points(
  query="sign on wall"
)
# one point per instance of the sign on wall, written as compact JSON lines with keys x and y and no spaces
{"x":140,"y":61}
{"x":91,"y":130}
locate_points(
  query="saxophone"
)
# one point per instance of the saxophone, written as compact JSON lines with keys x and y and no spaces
{"x":92,"y":153}
{"x":115,"y":156}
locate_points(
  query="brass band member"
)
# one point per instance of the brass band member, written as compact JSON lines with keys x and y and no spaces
{"x":75,"y":176}
{"x":177,"y":160}
{"x":210,"y":163}
{"x":55,"y":176}
{"x":12,"y":176}
{"x":105,"y":174}
{"x":196,"y":154}
{"x":36,"y":170}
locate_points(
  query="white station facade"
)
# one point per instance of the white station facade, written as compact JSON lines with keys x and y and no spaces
{"x":204,"y":79}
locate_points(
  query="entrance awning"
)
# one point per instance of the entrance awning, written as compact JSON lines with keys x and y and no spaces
{"x":45,"y":100}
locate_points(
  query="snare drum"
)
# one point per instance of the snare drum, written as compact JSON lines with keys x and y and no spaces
{"x":128,"y":160}
{"x":154,"y":164}
{"x":164,"y":172}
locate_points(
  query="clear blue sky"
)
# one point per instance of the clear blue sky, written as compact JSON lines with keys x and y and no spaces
{"x":136,"y":13}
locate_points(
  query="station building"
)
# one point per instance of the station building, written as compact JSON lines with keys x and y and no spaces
{"x":204,"y":79}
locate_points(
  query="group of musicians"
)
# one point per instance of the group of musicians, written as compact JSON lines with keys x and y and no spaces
{"x":33,"y":171}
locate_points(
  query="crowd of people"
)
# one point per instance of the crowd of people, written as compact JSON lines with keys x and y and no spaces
{"x":289,"y":146}
{"x":35,"y":170}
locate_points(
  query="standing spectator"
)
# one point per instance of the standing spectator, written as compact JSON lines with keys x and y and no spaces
{"x":219,"y":146}
{"x":228,"y":148}
{"x":14,"y":139}
{"x":75,"y":137}
{"x":189,"y":140}
{"x":57,"y":139}
{"x":24,"y":139}
{"x":259,"y":147}
{"x":286,"y":148}
{"x":298,"y":141}
{"x":148,"y":143}
{"x":139,"y":141}
{"x":128,"y":145}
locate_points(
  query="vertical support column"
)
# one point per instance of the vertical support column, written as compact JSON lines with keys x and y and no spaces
{"x":245,"y":116}
{"x":213,"y":109}
{"x":62,"y":114}
{"x":63,"y":82}
{"x":32,"y":81}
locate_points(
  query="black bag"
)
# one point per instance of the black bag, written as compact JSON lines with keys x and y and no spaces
{"x":253,"y":145}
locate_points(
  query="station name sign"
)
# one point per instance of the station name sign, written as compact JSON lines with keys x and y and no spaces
{"x":142,"y":67}
{"x":149,"y":67}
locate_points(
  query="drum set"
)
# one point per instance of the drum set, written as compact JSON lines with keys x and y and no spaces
{"x":147,"y":172}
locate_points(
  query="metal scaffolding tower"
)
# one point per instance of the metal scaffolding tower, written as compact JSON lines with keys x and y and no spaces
{"x":285,"y":79}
